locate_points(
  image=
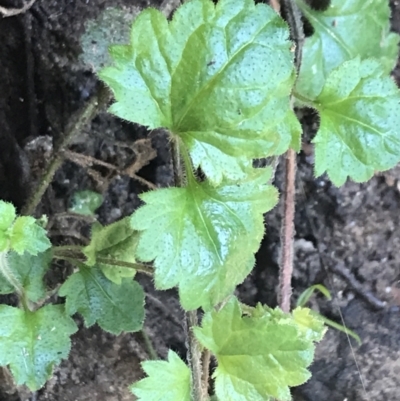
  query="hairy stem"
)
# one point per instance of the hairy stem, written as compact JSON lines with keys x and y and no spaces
{"x":74,"y":252}
{"x":205,"y":360}
{"x":194,"y":358}
{"x":77,"y":124}
{"x":194,"y":349}
{"x":292,"y":15}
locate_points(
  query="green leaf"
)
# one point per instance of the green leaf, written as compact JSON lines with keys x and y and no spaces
{"x":31,"y":343}
{"x":86,"y":202}
{"x":116,"y":241}
{"x":7,"y":215}
{"x":219,"y":77}
{"x":27,"y":270}
{"x":360,"y":119}
{"x":192,"y":234}
{"x":345,"y":30}
{"x":166,"y":381}
{"x":114,"y":307}
{"x":28,"y":236}
{"x":259,"y":356}
{"x":310,"y":323}
{"x":307,"y":293}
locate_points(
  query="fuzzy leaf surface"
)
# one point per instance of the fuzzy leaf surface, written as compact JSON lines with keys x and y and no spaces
{"x":116,"y":241}
{"x":28,"y":270}
{"x":28,"y":236}
{"x":114,"y":307}
{"x":219,"y":77}
{"x":347,"y":29}
{"x":359,"y":109}
{"x":31,"y":343}
{"x":258,"y":356}
{"x":174,"y":376}
{"x":192,"y":234}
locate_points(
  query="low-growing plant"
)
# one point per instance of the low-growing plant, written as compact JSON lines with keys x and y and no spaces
{"x":223,"y":80}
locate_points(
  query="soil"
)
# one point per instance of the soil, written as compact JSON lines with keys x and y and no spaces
{"x":346,"y":238}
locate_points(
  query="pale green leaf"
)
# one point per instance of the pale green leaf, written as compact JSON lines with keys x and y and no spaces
{"x":27,"y":270}
{"x":219,"y":77}
{"x":7,"y":215}
{"x":31,"y":343}
{"x":28,"y":236}
{"x":202,"y":238}
{"x":114,"y":307}
{"x":307,"y":293}
{"x":258,"y":356}
{"x":86,"y":202}
{"x":359,"y":109}
{"x":348,"y":28}
{"x":310,"y":323}
{"x":166,"y":381}
{"x":116,"y":241}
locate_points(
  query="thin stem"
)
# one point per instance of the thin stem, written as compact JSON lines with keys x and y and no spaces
{"x":79,"y":257}
{"x":78,"y":122}
{"x":65,"y":248}
{"x":205,"y":360}
{"x":288,"y":229}
{"x":148,"y":344}
{"x":194,"y":358}
{"x":292,"y":15}
{"x":194,"y":349}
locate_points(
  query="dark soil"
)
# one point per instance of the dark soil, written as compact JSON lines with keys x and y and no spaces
{"x":353,"y":229}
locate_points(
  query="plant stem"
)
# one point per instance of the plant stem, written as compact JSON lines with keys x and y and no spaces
{"x":292,"y":15}
{"x":194,"y":349}
{"x":78,"y":122}
{"x":148,"y":344}
{"x":287,"y":236}
{"x":194,"y":358}
{"x":79,"y":257}
{"x":205,"y":360}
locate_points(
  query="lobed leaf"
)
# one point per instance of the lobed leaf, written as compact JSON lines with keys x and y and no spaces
{"x":28,"y":270}
{"x":166,"y":381}
{"x":359,"y":109}
{"x":31,"y":343}
{"x":114,"y":307}
{"x":116,"y":241}
{"x":258,"y":356}
{"x":202,"y":238}
{"x":219,"y":77}
{"x":347,"y":29}
{"x":28,"y":236}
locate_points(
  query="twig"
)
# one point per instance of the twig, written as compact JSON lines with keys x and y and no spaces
{"x":77,"y":124}
{"x":10,"y":12}
{"x":341,"y":270}
{"x":292,"y":15}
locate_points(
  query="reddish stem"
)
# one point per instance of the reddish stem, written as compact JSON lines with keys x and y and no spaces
{"x":287,"y":235}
